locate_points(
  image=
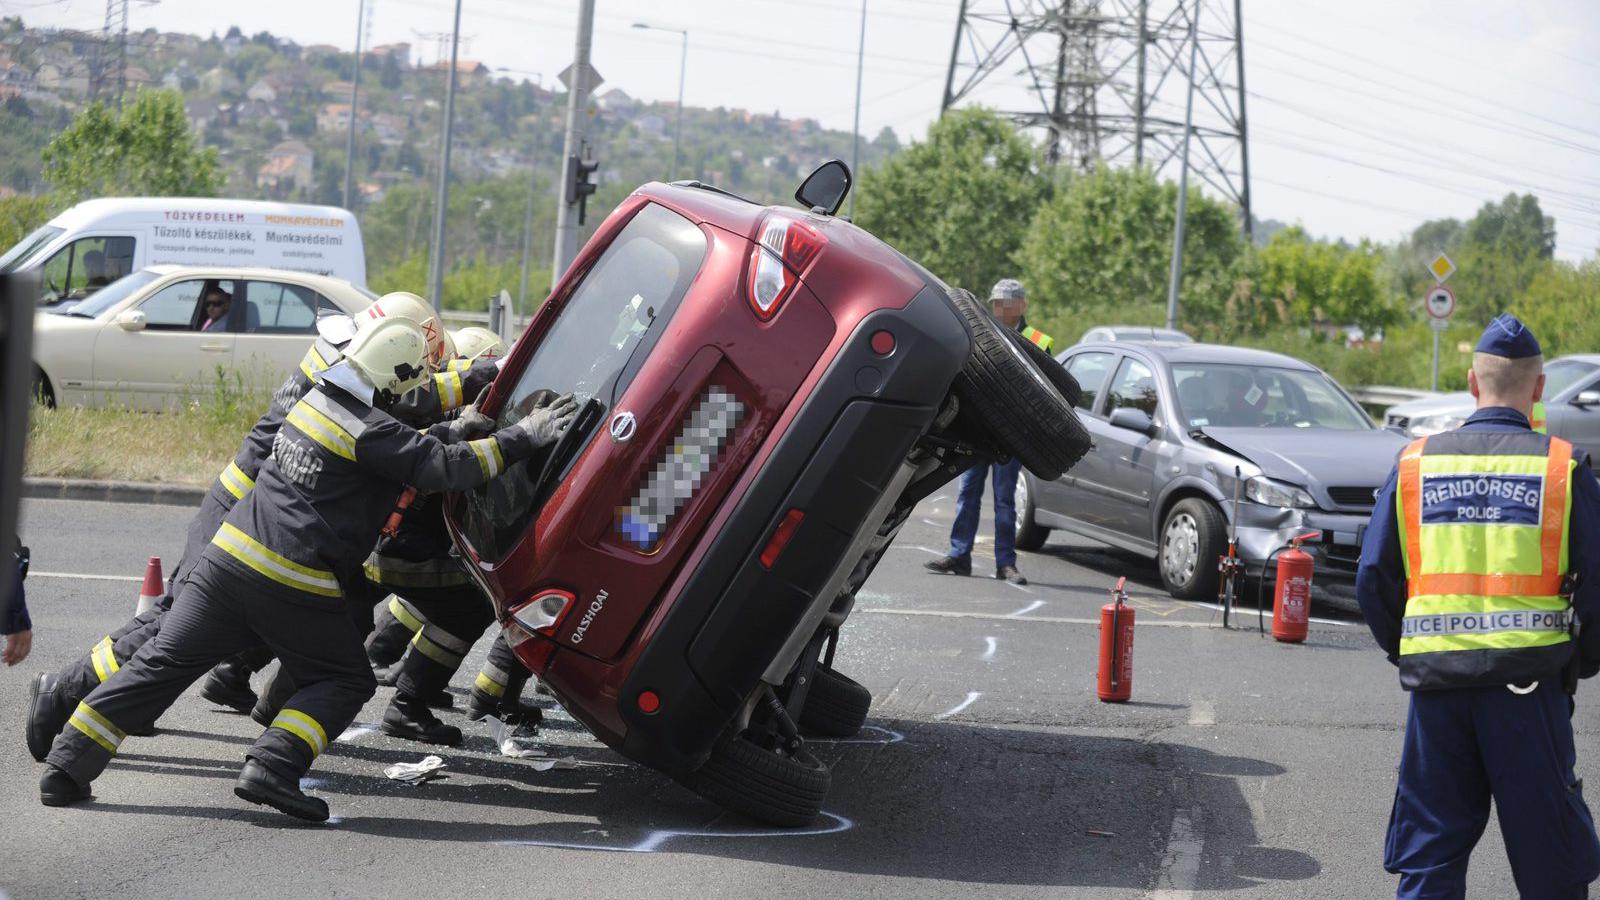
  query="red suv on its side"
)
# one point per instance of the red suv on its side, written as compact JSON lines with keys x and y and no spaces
{"x":766,"y":393}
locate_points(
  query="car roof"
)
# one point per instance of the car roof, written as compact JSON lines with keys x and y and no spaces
{"x":1590,"y":358}
{"x":1187,"y":352}
{"x":89,"y":212}
{"x":247,"y":272}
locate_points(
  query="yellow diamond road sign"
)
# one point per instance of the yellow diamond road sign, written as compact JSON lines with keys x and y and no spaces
{"x":1441,"y":267}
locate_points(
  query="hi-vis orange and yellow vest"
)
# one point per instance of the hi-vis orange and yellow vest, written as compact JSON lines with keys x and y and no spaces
{"x":1041,"y":340}
{"x":1484,"y":519}
{"x":1536,"y":420}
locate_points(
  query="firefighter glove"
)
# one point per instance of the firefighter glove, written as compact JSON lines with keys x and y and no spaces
{"x":470,"y":424}
{"x":546,"y":425}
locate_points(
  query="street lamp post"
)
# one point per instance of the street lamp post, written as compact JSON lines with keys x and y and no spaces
{"x":355,"y":87}
{"x":533,"y":183}
{"x":442,"y":205}
{"x":683,"y":65}
{"x":855,"y":146}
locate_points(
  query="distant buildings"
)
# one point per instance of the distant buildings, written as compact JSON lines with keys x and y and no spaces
{"x":290,"y":167}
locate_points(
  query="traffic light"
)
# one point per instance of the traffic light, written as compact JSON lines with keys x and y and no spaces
{"x":579,"y":187}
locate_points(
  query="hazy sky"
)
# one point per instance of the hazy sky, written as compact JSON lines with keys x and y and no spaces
{"x":1366,"y":116}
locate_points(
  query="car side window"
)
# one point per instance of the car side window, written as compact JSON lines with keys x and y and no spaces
{"x":87,"y":265}
{"x":173,"y":307}
{"x":275,"y":308}
{"x":328,"y":307}
{"x":1090,"y":369}
{"x":1134,"y":387}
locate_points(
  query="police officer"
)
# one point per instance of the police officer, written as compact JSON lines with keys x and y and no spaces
{"x":1465,"y":580}
{"x":276,"y":571}
{"x":1010,"y":306}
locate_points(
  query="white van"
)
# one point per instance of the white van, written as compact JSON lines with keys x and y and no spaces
{"x":98,"y":241}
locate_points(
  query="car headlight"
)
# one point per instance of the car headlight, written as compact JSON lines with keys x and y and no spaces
{"x":1426,"y":426}
{"x":1269,"y":492}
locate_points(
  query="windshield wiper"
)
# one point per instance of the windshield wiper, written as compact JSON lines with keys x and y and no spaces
{"x":561,"y":455}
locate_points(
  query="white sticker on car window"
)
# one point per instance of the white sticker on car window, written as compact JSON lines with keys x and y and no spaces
{"x":1199,"y":423}
{"x":1253,"y":396}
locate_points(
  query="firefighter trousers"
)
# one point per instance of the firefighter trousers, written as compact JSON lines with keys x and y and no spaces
{"x":453,"y":619}
{"x":502,"y":678}
{"x":223,"y":610}
{"x":396,"y":622}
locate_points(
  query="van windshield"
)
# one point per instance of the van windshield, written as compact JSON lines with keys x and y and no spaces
{"x":110,"y":295}
{"x":596,"y":345}
{"x":28,"y":246}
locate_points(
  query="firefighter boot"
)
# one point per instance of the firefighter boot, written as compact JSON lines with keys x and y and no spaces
{"x":229,"y":685}
{"x":57,"y":788}
{"x":410,"y":719}
{"x":260,"y":785}
{"x":513,"y":711}
{"x":48,"y":711}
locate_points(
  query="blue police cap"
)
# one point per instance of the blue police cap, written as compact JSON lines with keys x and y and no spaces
{"x":1507,"y":336}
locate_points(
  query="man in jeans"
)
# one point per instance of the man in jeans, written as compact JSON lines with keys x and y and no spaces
{"x":1010,"y":307}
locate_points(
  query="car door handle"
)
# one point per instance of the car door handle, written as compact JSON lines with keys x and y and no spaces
{"x":214,"y":348}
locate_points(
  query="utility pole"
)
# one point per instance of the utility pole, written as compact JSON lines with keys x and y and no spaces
{"x":566,"y":242}
{"x":355,"y":89}
{"x":1176,"y":277}
{"x":436,"y":268}
{"x":855,"y":147}
{"x":1244,"y":132}
{"x":527,"y":232}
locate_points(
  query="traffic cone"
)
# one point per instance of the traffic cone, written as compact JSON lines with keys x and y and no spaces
{"x":151,"y":592}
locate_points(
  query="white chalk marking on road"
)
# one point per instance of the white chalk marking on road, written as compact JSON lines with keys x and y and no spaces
{"x":33,"y":573}
{"x":971,"y":696}
{"x":652,"y":841}
{"x":1243,"y":612}
{"x":1202,"y":712}
{"x":356,"y":730}
{"x":1180,"y":865}
{"x":1023,"y":588}
{"x":1054,"y":620}
{"x":918,"y":547}
{"x":1026,"y":609}
{"x":993,"y":644}
{"x":889,"y":737}
{"x":928,"y":521}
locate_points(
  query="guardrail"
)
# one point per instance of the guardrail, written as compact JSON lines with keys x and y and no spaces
{"x":1387,"y":395}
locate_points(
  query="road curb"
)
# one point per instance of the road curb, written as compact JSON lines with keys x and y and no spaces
{"x":112,"y":491}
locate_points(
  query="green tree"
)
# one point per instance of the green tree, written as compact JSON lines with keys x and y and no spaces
{"x":1300,"y":281}
{"x":958,"y":202}
{"x":147,"y":149}
{"x":1104,"y":243}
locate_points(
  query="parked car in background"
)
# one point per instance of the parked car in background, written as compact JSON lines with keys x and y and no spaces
{"x":1571,"y":405}
{"x":137,"y":341}
{"x":1138,"y":333}
{"x":1173,"y":423}
{"x":96,"y":242}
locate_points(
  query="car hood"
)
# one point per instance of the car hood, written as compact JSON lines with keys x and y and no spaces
{"x":1455,"y":403}
{"x":1314,"y":456}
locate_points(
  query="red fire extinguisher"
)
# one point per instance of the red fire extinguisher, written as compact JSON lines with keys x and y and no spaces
{"x":1116,"y":647}
{"x":1291,"y":598}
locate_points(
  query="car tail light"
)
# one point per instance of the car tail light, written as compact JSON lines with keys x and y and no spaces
{"x":541,"y":614}
{"x":781,"y":536}
{"x":674,"y":480}
{"x":786,"y":247}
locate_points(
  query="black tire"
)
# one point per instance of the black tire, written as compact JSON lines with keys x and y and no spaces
{"x":1054,"y":372}
{"x":42,"y":392}
{"x":1012,"y":399}
{"x":836,"y":705}
{"x":1193,"y":536}
{"x":762,"y":785}
{"x":1030,"y":534}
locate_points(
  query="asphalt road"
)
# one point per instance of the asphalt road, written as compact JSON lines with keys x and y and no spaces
{"x":1242,"y":767}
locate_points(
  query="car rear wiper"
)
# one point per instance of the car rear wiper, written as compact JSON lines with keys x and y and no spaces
{"x":562,"y":454}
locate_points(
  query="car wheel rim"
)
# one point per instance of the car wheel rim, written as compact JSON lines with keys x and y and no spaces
{"x":1020,"y":499}
{"x":1180,"y":548}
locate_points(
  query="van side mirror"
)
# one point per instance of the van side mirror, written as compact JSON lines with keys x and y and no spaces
{"x":1586,"y":399}
{"x":131,"y":320}
{"x":825,"y":188}
{"x":1134,"y":420}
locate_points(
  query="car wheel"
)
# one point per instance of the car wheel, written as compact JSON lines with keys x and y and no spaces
{"x":836,"y":705}
{"x":1037,"y":425}
{"x":763,"y":784}
{"x":1030,"y":534}
{"x":41,"y":389}
{"x":1192,"y":538}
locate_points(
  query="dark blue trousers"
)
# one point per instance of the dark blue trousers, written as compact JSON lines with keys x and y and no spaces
{"x":1463,"y":747}
{"x":969,"y":505}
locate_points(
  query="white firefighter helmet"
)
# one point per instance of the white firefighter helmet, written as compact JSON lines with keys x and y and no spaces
{"x":476,"y":342}
{"x":336,"y":328}
{"x":390,"y":354}
{"x":407,"y":305}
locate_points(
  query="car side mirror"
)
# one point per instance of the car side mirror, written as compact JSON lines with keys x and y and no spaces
{"x":1133,"y":419}
{"x":825,"y":188}
{"x":1586,"y":399}
{"x":131,"y":320}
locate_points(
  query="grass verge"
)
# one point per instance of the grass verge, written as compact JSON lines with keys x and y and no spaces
{"x":188,"y":444}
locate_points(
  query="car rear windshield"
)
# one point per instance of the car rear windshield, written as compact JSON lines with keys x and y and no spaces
{"x":593,"y":350}
{"x":1229,"y":396}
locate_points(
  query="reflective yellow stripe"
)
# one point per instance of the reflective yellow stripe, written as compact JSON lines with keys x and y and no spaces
{"x":105,"y":662}
{"x":406,"y":615}
{"x":458,"y":365}
{"x":488,"y":685}
{"x":490,"y":459}
{"x":323,"y":430}
{"x":96,"y":727}
{"x":236,"y":481}
{"x":303,"y":727}
{"x":312,"y":363}
{"x":435,"y":652}
{"x":259,"y":557}
{"x":448,"y":384}
{"x":1468,"y":603}
{"x":1500,"y":640}
{"x":1537,"y":419}
{"x":447,"y":576}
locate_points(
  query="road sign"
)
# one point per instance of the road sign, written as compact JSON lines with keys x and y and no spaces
{"x":1442,"y":268}
{"x":1439,"y":324}
{"x":1440,"y":303}
{"x":592,"y":81}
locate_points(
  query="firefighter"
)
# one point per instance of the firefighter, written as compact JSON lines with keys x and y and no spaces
{"x":497,"y":689}
{"x":1466,"y":581}
{"x":276,"y":571}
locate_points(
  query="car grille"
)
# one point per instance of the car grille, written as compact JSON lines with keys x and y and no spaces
{"x":1352,"y":496}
